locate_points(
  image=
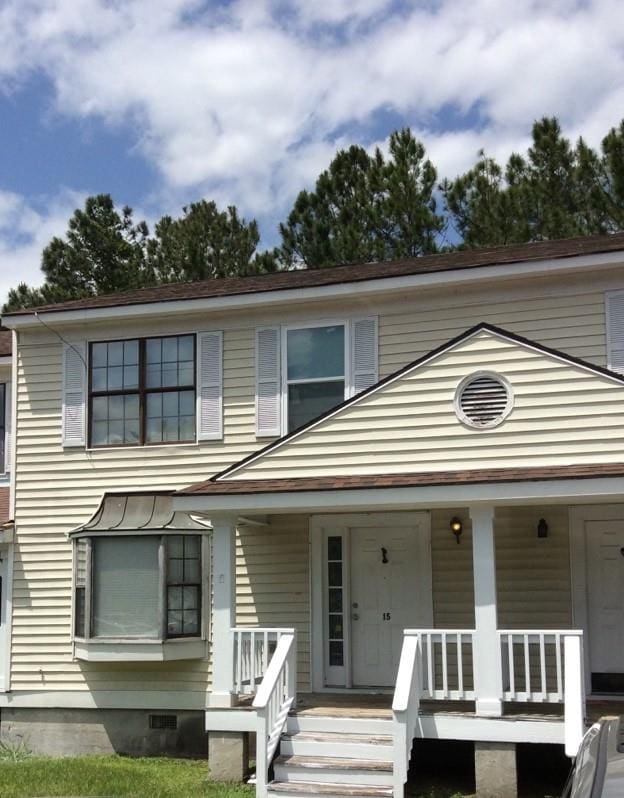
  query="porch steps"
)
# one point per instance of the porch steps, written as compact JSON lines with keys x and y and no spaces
{"x":334,"y":757}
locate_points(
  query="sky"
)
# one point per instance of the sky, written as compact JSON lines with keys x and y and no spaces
{"x":162,"y":102}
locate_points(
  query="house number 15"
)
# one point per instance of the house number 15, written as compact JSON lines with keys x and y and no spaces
{"x":386,"y":616}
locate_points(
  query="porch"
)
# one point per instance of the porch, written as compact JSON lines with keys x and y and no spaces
{"x":489,"y":685}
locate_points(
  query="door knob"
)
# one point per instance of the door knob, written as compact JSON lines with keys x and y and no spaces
{"x":355,"y":616}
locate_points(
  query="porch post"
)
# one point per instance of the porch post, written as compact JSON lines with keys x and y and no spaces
{"x":223,"y":610}
{"x":487,"y":659}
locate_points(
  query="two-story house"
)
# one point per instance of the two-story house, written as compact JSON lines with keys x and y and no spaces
{"x":341,"y":509}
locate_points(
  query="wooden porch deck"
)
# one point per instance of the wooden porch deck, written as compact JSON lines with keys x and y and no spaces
{"x":379,"y":705}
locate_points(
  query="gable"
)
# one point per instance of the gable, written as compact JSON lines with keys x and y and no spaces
{"x":564,"y":412}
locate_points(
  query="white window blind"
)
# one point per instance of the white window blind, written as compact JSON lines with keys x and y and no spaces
{"x":74,"y":381}
{"x":126,"y":587}
{"x":210,"y":386}
{"x":615,"y":331}
{"x":268,"y":382}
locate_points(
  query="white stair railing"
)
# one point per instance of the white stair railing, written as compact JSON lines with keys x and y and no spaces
{"x":253,"y":648}
{"x":276,"y":695}
{"x":405,"y":707}
{"x":447,"y":656}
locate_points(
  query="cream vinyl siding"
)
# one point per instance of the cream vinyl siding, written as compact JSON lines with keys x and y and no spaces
{"x":410,"y":424}
{"x":273,"y":581}
{"x":58,"y":489}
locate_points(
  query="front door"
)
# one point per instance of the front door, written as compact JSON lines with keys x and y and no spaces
{"x":605,"y":591}
{"x":384,"y":598}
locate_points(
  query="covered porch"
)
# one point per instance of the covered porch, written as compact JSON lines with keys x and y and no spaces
{"x":498,"y":680}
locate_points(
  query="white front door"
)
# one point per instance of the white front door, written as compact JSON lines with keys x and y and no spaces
{"x":384,"y":600}
{"x":605,"y":592}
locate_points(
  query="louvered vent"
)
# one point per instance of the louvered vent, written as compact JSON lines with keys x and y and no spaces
{"x":483,"y":400}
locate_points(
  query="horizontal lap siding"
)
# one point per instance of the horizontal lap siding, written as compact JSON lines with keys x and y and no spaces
{"x":57,"y":489}
{"x":410,"y":425}
{"x":273,"y":581}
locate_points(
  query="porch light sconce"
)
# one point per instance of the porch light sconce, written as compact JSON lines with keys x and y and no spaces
{"x":456,"y":527}
{"x":542,"y":529}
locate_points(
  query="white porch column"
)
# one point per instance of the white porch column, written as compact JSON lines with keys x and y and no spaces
{"x":223,"y":610}
{"x":487,"y":659}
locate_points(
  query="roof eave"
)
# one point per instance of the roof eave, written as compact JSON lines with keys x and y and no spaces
{"x":374,"y":285}
{"x":554,"y":491}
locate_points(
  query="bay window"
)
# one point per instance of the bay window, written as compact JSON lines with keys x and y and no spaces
{"x":138,"y":587}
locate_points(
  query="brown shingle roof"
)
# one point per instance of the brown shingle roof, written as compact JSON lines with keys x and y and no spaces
{"x":425,"y":479}
{"x":307,"y":278}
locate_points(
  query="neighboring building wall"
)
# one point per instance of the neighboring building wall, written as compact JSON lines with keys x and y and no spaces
{"x":58,"y":489}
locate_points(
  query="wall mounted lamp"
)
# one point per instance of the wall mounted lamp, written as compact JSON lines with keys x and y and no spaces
{"x":456,"y":527}
{"x":542,"y":528}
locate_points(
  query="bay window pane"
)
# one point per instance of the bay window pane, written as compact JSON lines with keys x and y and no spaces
{"x":126,"y":587}
{"x":309,"y":400}
{"x":315,"y":352}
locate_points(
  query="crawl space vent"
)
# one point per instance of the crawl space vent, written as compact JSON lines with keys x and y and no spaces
{"x":163,"y":721}
{"x":483,"y":400}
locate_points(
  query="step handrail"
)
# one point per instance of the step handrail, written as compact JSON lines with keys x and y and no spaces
{"x":405,"y":708}
{"x":275,"y":697}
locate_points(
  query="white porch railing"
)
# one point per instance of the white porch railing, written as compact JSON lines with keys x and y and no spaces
{"x":436,"y":664}
{"x":253,"y":649}
{"x":446,"y":663}
{"x":275,"y":697}
{"x":547,"y":666}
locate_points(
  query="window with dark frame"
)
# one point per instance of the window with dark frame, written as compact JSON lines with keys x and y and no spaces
{"x":183,"y":585}
{"x":116,"y":587}
{"x":142,"y":391}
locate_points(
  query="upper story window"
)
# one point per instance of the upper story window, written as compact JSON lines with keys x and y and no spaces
{"x":142,"y":391}
{"x":304,"y":370}
{"x":315,"y":373}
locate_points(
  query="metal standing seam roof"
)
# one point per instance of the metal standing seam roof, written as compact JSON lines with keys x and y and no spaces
{"x":132,"y":512}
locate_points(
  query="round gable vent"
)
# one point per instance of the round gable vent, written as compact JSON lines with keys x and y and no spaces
{"x":483,"y":400}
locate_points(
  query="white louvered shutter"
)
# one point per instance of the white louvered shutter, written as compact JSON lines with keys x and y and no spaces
{"x":210,"y":386}
{"x":8,"y":430}
{"x":268,"y":382}
{"x":74,"y":382}
{"x":363,"y":354}
{"x":615,"y":331}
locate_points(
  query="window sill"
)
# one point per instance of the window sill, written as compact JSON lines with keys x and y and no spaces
{"x":139,"y":650}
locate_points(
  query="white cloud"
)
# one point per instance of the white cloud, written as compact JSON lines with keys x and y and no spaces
{"x":246,"y":101}
{"x":25,"y":230}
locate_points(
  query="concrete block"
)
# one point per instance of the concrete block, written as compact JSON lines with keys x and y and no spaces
{"x":228,"y":756}
{"x":495,"y":770}
{"x":74,"y":732}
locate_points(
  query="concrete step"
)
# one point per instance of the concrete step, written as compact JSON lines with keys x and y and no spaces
{"x":340,"y":724}
{"x":349,"y":746}
{"x":327,"y":790}
{"x":333,"y":770}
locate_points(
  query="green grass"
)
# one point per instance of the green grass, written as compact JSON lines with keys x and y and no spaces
{"x":113,"y":776}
